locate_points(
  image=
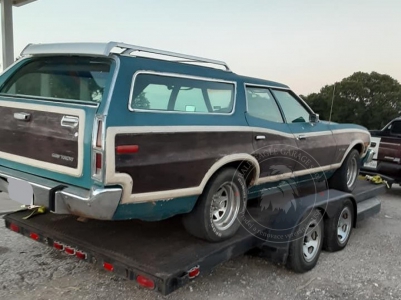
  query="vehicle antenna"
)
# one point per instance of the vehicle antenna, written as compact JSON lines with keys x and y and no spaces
{"x":332,"y":101}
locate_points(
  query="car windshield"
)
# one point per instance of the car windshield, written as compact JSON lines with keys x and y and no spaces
{"x":58,"y":78}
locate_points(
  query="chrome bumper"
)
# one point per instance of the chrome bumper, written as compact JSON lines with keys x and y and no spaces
{"x":97,"y":203}
{"x":369,"y":156}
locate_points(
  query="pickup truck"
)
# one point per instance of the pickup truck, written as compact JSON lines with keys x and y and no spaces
{"x":386,"y":144}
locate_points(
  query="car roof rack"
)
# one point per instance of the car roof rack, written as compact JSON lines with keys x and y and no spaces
{"x":105,"y":49}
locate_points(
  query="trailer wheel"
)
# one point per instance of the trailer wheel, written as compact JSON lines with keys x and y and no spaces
{"x":345,"y":178}
{"x":214,"y":217}
{"x":305,"y":249}
{"x":338,"y":229}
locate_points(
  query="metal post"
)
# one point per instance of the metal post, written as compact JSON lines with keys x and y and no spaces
{"x":7,"y":32}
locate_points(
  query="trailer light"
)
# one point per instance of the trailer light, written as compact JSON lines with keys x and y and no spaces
{"x":108,"y":266}
{"x":34,"y":236}
{"x":193,"y":272}
{"x":58,"y":246}
{"x":69,"y":250}
{"x":80,"y":254}
{"x":14,"y":227}
{"x":127,"y":149}
{"x":145,"y":282}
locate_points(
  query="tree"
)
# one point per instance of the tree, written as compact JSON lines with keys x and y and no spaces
{"x":371,"y":100}
{"x":141,"y":101}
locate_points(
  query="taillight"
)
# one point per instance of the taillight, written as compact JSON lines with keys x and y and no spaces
{"x":99,"y":138}
{"x":97,"y":151}
{"x":34,"y":236}
{"x":98,"y":163}
{"x":69,"y":250}
{"x":80,"y":254}
{"x":58,"y":246}
{"x":14,"y":227}
{"x":108,"y":266}
{"x":195,"y":271}
{"x":145,"y":282}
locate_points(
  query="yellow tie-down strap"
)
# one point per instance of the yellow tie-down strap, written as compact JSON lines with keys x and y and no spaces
{"x":375,"y":179}
{"x":35,"y":210}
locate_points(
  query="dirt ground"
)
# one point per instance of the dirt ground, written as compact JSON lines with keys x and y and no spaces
{"x":368,"y":268}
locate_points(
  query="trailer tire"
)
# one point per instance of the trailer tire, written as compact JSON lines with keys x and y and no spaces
{"x":336,"y":237}
{"x":304,"y":251}
{"x":215,"y":215}
{"x":345,"y":178}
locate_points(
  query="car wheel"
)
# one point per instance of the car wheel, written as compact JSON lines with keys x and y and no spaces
{"x":305,"y":249}
{"x":214,"y":217}
{"x":345,"y":178}
{"x":338,"y":229}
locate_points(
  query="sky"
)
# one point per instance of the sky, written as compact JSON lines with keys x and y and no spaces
{"x":305,"y":44}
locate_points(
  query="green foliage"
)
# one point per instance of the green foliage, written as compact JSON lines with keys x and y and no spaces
{"x":371,"y":100}
{"x":141,"y":101}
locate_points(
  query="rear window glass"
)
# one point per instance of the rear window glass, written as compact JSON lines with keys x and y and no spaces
{"x":170,"y":93}
{"x":79,"y":79}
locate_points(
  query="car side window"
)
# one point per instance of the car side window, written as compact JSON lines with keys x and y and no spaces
{"x":262,"y":105}
{"x":176,"y":93}
{"x":396,"y":128}
{"x":293,"y":110}
{"x":191,"y":100}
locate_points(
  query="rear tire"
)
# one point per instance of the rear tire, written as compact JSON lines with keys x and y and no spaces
{"x":345,"y":178}
{"x":305,"y":250}
{"x":214,"y":217}
{"x":339,"y":228}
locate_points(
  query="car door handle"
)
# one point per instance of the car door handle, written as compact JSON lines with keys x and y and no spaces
{"x":69,"y":121}
{"x":260,"y":137}
{"x":301,"y":137}
{"x":22,"y":116}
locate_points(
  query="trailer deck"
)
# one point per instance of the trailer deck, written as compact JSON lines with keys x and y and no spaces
{"x":162,"y":255}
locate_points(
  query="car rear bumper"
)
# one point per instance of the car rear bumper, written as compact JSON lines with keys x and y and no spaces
{"x":97,"y":203}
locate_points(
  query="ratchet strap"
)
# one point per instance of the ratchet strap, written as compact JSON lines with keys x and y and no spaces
{"x":376,"y":179}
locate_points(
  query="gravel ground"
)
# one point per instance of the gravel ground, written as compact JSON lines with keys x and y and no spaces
{"x":369,"y":268}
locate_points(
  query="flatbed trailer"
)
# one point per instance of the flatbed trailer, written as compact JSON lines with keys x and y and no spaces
{"x":162,"y":256}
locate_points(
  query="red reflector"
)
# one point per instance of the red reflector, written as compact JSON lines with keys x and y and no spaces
{"x":127,"y":149}
{"x":145,"y":282}
{"x":14,"y":227}
{"x":58,"y":246}
{"x":69,"y":250}
{"x":108,"y":267}
{"x":193,"y":272}
{"x":98,"y":161}
{"x":80,"y":255}
{"x":34,"y":236}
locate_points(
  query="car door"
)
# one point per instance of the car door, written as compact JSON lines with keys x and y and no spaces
{"x":273,"y":141}
{"x":315,"y":140}
{"x":389,"y":150}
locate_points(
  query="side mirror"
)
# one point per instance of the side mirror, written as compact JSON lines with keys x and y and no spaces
{"x":314,"y":118}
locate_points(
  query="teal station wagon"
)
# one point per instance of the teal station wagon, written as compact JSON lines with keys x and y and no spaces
{"x":101,"y":131}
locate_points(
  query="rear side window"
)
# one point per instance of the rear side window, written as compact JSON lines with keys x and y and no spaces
{"x":174,"y":93}
{"x":80,"y":79}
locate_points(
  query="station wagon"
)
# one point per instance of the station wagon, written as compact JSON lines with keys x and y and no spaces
{"x":113,"y":131}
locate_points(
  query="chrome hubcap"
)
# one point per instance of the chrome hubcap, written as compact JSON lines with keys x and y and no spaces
{"x":352,"y":172}
{"x":225,"y":205}
{"x":344,"y":225}
{"x":312,"y":240}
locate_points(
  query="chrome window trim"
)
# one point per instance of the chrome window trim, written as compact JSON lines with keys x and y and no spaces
{"x":234,"y":83}
{"x":268,"y":87}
